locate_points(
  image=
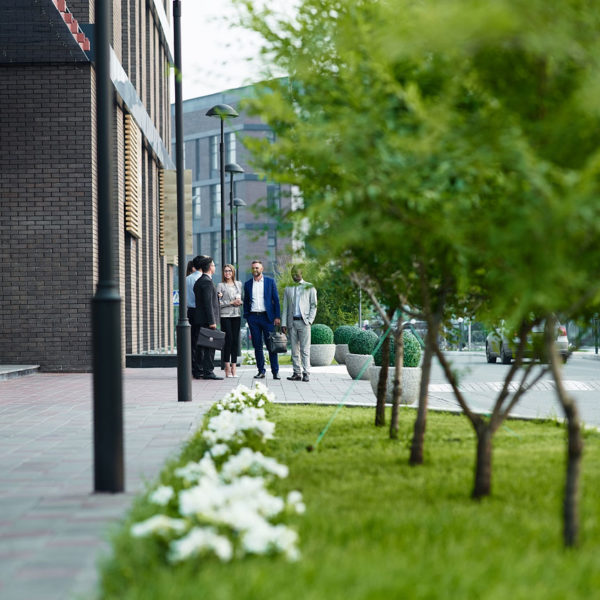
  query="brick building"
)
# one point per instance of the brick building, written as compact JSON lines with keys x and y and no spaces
{"x":48,"y":194}
{"x":259,"y":235}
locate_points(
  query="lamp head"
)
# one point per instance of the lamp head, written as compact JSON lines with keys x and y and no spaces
{"x":238,"y":202}
{"x":222,"y":111}
{"x":233,"y":168}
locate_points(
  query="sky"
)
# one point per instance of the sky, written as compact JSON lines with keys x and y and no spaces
{"x":215,"y":57}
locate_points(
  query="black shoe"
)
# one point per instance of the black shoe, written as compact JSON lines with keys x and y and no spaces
{"x":212,"y":376}
{"x":295,"y":377}
{"x":305,"y":377}
{"x":197,"y":375}
{"x":276,"y":376}
{"x":259,"y":376}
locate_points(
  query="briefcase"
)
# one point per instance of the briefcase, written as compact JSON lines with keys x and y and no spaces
{"x":211,"y":338}
{"x":277,"y":342}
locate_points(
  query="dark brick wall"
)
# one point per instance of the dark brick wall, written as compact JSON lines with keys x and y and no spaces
{"x":46,"y":215}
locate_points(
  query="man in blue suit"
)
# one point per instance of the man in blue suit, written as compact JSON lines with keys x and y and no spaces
{"x":263,"y":314}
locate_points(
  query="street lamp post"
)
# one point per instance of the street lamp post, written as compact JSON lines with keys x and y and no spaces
{"x":237,"y":202}
{"x":232,"y":169}
{"x":222,"y":111}
{"x":184,"y":335}
{"x":109,"y":470}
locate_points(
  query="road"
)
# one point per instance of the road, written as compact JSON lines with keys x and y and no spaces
{"x":481,"y":383}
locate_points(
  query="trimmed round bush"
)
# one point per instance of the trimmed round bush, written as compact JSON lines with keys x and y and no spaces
{"x":321,"y":334}
{"x":412,"y":351}
{"x":343,"y":334}
{"x":362,"y":342}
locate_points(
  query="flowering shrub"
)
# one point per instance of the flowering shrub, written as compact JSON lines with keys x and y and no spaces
{"x":248,"y":357}
{"x":221,"y":504}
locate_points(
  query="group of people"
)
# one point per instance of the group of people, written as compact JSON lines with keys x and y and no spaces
{"x":257,"y":300}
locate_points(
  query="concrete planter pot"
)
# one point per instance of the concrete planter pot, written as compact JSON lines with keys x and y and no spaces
{"x":355,"y":362}
{"x":321,"y":355}
{"x":341,"y":350}
{"x":411,"y":382}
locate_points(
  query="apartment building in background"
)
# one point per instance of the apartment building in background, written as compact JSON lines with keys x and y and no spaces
{"x":258,"y":233}
{"x":48,"y":188}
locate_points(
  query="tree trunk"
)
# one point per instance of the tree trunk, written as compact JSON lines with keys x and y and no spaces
{"x":571,"y":499}
{"x":382,"y":383}
{"x":399,"y":343}
{"x":418,"y":440}
{"x":483,"y":467}
{"x":574,"y":441}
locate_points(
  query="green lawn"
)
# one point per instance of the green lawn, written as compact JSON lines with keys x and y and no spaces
{"x":377,"y":528}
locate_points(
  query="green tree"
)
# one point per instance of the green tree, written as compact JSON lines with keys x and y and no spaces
{"x":449,"y":151}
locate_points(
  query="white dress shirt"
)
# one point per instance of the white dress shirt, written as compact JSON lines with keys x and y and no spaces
{"x":258,"y":295}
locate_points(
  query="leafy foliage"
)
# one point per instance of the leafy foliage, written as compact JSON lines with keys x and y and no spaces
{"x":343,"y":334}
{"x":362,"y":342}
{"x":412,"y":351}
{"x":321,"y":334}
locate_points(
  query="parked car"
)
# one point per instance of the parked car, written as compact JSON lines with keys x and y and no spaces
{"x":499,"y":345}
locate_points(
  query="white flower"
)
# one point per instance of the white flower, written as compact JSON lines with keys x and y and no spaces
{"x":194,"y":471}
{"x":294,"y":499}
{"x":253,"y":463}
{"x":219,"y":450}
{"x":161,"y":495}
{"x":159,"y":524}
{"x":266,"y":538}
{"x":197,"y":540}
{"x":230,"y":426}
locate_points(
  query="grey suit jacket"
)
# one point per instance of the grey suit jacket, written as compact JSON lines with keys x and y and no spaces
{"x":308,"y":303}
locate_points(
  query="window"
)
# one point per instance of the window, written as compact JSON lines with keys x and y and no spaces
{"x":230,"y":144}
{"x":272,"y":198}
{"x":215,"y":201}
{"x":196,"y":173}
{"x":214,"y":152}
{"x":198,"y":243}
{"x":272,"y":238}
{"x":196,"y":203}
{"x":214,"y":247}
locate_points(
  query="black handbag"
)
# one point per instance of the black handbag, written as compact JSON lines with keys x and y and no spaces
{"x":211,"y":338}
{"x":277,"y":342}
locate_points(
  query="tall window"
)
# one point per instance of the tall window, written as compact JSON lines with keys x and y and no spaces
{"x":214,"y":152}
{"x":196,"y":203}
{"x":272,"y":238}
{"x":230,"y":144}
{"x":196,"y":173}
{"x":273,"y":198}
{"x":215,"y":201}
{"x":214,"y":247}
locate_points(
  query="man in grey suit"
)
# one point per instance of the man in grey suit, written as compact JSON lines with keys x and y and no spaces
{"x":299,"y":311}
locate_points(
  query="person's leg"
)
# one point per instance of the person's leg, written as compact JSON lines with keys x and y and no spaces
{"x":208,"y":362}
{"x":273,"y":357}
{"x":226,"y":327}
{"x":304,"y":336}
{"x":235,"y":341}
{"x":196,"y":364}
{"x":295,"y":343}
{"x":257,"y":341}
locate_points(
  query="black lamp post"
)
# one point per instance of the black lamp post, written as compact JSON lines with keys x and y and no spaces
{"x":109,"y":472}
{"x":237,"y":202}
{"x":184,"y":335}
{"x":222,"y":111}
{"x":232,"y":169}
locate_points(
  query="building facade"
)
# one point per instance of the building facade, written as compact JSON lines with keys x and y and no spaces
{"x":266,"y":203}
{"x":48,"y":190}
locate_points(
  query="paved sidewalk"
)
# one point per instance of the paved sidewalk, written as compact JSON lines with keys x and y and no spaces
{"x":53,"y":527}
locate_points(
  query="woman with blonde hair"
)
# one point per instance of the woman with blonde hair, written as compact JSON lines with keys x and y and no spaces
{"x":230,"y":302}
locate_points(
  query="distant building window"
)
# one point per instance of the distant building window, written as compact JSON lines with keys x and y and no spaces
{"x":272,"y":238}
{"x":273,"y":198}
{"x":215,"y":201}
{"x":198,"y":241}
{"x":214,"y":152}
{"x":214,"y":247}
{"x":196,"y":173}
{"x":196,"y":203}
{"x":230,"y":144}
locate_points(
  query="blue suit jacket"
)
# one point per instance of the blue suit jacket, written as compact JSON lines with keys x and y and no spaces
{"x":271,"y":299}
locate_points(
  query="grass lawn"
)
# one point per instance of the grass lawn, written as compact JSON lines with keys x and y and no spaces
{"x":378,"y":528}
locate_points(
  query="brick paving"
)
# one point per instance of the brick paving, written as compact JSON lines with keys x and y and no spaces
{"x":53,"y":528}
